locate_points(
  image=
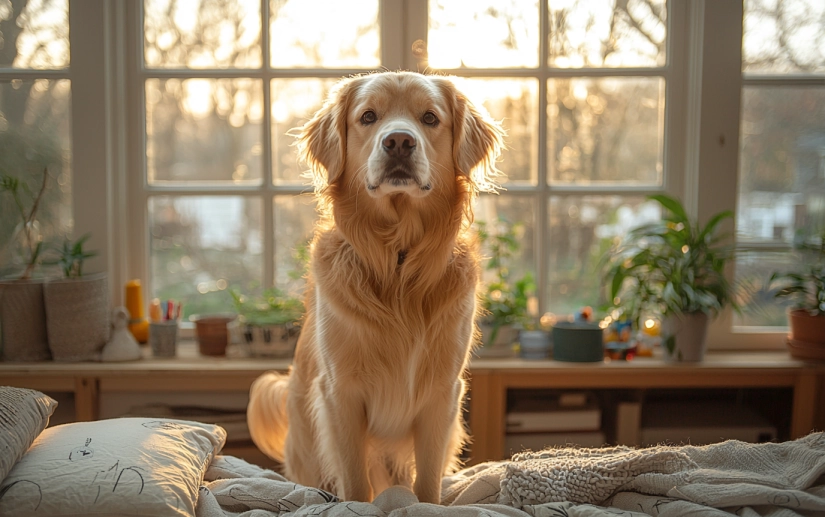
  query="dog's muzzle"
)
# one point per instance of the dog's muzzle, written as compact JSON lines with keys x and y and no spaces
{"x":399,"y":163}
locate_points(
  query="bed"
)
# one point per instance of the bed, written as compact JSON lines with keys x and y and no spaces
{"x":159,"y":467}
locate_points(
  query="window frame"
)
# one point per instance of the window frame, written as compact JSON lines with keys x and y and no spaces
{"x":702,"y":93}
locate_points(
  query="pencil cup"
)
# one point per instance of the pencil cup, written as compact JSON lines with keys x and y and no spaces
{"x":163,"y":338}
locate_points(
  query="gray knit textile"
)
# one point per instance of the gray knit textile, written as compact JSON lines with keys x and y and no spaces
{"x":725,"y":475}
{"x":23,"y":416}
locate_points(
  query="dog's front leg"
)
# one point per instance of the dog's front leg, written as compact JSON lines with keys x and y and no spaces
{"x":434,"y":434}
{"x":344,"y":416}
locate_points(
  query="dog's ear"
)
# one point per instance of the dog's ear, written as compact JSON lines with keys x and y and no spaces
{"x":477,"y":142}
{"x":322,"y":142}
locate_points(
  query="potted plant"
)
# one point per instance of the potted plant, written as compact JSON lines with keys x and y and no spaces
{"x":22,"y":312}
{"x":503,"y":300}
{"x":673,"y":268}
{"x":77,"y":306}
{"x":271,"y":323}
{"x":805,"y":287}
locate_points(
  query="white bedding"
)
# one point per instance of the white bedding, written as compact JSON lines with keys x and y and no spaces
{"x":785,"y":479}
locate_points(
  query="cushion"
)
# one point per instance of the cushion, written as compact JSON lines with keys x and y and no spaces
{"x":23,"y":416}
{"x":122,"y":466}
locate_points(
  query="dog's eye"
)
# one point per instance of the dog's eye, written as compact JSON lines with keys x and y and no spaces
{"x":429,"y":118}
{"x":368,"y":117}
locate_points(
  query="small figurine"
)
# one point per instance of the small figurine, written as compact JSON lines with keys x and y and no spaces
{"x":122,"y":346}
{"x":585,"y":315}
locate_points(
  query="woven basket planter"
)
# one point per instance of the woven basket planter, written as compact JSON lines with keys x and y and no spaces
{"x":23,"y":321}
{"x":77,"y":317}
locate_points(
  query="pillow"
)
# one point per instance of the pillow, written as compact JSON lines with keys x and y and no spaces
{"x":23,"y":416}
{"x":122,"y":466}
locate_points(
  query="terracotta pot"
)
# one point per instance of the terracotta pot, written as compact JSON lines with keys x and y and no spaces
{"x":807,"y":328}
{"x":212,"y":332}
{"x":23,"y":321}
{"x":684,"y":336}
{"x":77,"y":317}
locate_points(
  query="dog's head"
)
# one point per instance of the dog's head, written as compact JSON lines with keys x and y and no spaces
{"x":402,"y":133}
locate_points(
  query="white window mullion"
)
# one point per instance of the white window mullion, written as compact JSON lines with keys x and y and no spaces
{"x":542,"y":247}
{"x":117,"y":121}
{"x":391,"y":19}
{"x":137,"y":209}
{"x":268,"y":223}
{"x":91,"y":140}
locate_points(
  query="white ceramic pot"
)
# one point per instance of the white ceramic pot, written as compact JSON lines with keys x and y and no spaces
{"x":684,"y":336}
{"x":496,"y":343}
{"x":271,"y":340}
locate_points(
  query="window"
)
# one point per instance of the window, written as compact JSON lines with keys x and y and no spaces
{"x":782,"y":141}
{"x":35,"y":132}
{"x":175,"y":156}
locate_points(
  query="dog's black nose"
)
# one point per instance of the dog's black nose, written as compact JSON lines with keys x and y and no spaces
{"x":399,"y":143}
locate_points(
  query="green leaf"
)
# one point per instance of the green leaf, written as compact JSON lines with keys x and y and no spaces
{"x":673,"y":205}
{"x":712,"y":224}
{"x":616,"y":285}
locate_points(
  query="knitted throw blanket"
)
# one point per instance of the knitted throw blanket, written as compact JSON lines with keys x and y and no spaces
{"x":724,"y":475}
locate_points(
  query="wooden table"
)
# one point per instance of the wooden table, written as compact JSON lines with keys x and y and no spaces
{"x":489,"y":381}
{"x":492,"y":378}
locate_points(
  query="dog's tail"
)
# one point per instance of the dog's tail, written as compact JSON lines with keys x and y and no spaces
{"x":266,"y":414}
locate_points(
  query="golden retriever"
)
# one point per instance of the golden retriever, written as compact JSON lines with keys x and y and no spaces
{"x":373,"y":397}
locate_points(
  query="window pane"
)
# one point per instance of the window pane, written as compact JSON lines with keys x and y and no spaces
{"x":204,"y":131}
{"x":483,"y":34}
{"x":34,"y":34}
{"x":784,"y":36}
{"x":607,"y":33}
{"x":34,"y":135}
{"x":206,"y":34}
{"x":753,"y":272}
{"x":517,"y":213}
{"x":781,"y":163}
{"x":515,"y":103}
{"x":606,"y":131}
{"x":294,"y":101}
{"x":202,"y":246}
{"x":582,"y":229}
{"x":295,"y":218}
{"x":319,"y":33}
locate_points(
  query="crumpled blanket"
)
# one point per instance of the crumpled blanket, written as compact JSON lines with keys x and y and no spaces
{"x":233,"y":487}
{"x":732,"y":477}
{"x":751,"y":480}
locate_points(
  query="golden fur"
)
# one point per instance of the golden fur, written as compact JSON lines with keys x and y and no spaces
{"x":373,"y":398}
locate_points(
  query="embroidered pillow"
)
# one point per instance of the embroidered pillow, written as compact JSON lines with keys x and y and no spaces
{"x":122,"y":466}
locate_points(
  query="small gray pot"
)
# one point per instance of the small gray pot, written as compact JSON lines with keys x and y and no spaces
{"x":23,"y":321}
{"x":535,"y":344}
{"x":77,"y":317}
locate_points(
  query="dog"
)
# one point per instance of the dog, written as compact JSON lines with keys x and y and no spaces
{"x":373,"y":396}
